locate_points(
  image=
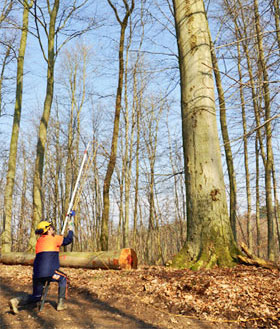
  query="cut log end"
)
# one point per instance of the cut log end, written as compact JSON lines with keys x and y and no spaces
{"x":128,"y":259}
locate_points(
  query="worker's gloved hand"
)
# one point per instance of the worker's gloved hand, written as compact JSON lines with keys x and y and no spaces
{"x":72,"y":213}
{"x":71,"y":223}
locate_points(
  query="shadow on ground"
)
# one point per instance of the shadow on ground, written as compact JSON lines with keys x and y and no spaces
{"x":84,"y":311}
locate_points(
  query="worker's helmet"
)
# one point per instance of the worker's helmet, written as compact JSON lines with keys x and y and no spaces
{"x":43,"y":227}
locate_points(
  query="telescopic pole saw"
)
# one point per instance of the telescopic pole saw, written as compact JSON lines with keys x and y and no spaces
{"x":75,"y":189}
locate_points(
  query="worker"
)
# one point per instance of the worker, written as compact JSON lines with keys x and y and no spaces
{"x":46,"y":264}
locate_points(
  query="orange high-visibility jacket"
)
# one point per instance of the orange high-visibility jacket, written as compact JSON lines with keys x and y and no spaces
{"x":47,"y":254}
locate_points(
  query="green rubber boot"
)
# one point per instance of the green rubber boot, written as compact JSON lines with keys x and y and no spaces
{"x":13,"y":303}
{"x":61,"y":305}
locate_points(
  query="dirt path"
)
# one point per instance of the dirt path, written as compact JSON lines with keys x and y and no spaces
{"x":86,"y":311}
{"x":105,"y":307}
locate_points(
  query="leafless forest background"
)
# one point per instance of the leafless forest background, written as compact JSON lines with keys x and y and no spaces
{"x":147,"y":195}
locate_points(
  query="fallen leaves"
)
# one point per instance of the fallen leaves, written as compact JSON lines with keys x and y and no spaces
{"x":247,"y":296}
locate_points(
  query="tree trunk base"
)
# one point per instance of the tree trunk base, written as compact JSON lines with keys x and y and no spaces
{"x":209,"y":258}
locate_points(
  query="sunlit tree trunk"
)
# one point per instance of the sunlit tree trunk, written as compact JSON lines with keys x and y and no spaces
{"x":245,"y":147}
{"x":276,"y":203}
{"x":70,"y":139}
{"x":151,"y":131}
{"x":258,"y":231}
{"x":79,"y":106}
{"x":137,"y":101}
{"x":57,"y":169}
{"x":23,"y":213}
{"x":40,"y":151}
{"x":3,"y":68}
{"x":244,"y":37}
{"x":129,"y":139}
{"x":6,"y":10}
{"x":277,"y":20}
{"x":269,"y":154}
{"x":112,"y":160}
{"x":120,"y":176}
{"x":94,"y":204}
{"x":137,"y":162}
{"x":226,"y":140}
{"x":210,"y":239}
{"x":10,"y":178}
{"x":259,"y":147}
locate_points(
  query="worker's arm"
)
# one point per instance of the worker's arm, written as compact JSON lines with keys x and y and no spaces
{"x":68,"y":239}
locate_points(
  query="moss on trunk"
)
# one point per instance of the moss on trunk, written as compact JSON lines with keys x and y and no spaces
{"x":208,"y":258}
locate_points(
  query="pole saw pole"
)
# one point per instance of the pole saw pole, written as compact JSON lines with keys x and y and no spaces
{"x":75,"y":189}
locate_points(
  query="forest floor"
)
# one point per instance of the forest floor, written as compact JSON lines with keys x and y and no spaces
{"x":149,"y":297}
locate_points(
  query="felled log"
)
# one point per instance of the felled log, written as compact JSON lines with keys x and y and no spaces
{"x":113,"y":260}
{"x":251,"y":259}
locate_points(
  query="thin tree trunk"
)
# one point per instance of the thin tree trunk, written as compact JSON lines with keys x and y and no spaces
{"x":4,"y":65}
{"x":276,"y":206}
{"x":69,"y":175}
{"x":126,"y":151}
{"x":22,"y":219}
{"x":8,"y":194}
{"x":113,"y":155}
{"x":269,"y":154}
{"x":258,"y":231}
{"x":277,"y":21}
{"x":226,"y":140}
{"x":137,"y":98}
{"x":137,"y":163}
{"x":40,"y":151}
{"x":57,"y":171}
{"x":121,"y":216}
{"x":244,"y":37}
{"x":245,"y":143}
{"x":151,"y":140}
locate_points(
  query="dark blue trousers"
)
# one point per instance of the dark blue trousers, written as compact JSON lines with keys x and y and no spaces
{"x":38,"y":286}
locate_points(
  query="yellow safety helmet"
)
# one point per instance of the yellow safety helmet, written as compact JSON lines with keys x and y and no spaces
{"x":43,"y":227}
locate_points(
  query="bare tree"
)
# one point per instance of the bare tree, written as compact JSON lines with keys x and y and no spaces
{"x":8,"y":200}
{"x":112,"y":160}
{"x":209,"y":236}
{"x":52,"y":27}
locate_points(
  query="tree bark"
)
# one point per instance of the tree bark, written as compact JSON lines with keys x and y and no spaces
{"x":226,"y":140}
{"x":22,"y":219}
{"x":277,"y":20}
{"x":245,"y":145}
{"x":258,"y":231}
{"x":112,"y":160}
{"x":269,"y":153}
{"x":40,"y":151}
{"x":10,"y":182}
{"x":210,"y":239}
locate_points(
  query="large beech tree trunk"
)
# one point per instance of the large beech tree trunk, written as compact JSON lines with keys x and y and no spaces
{"x":113,"y":260}
{"x":210,"y":239}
